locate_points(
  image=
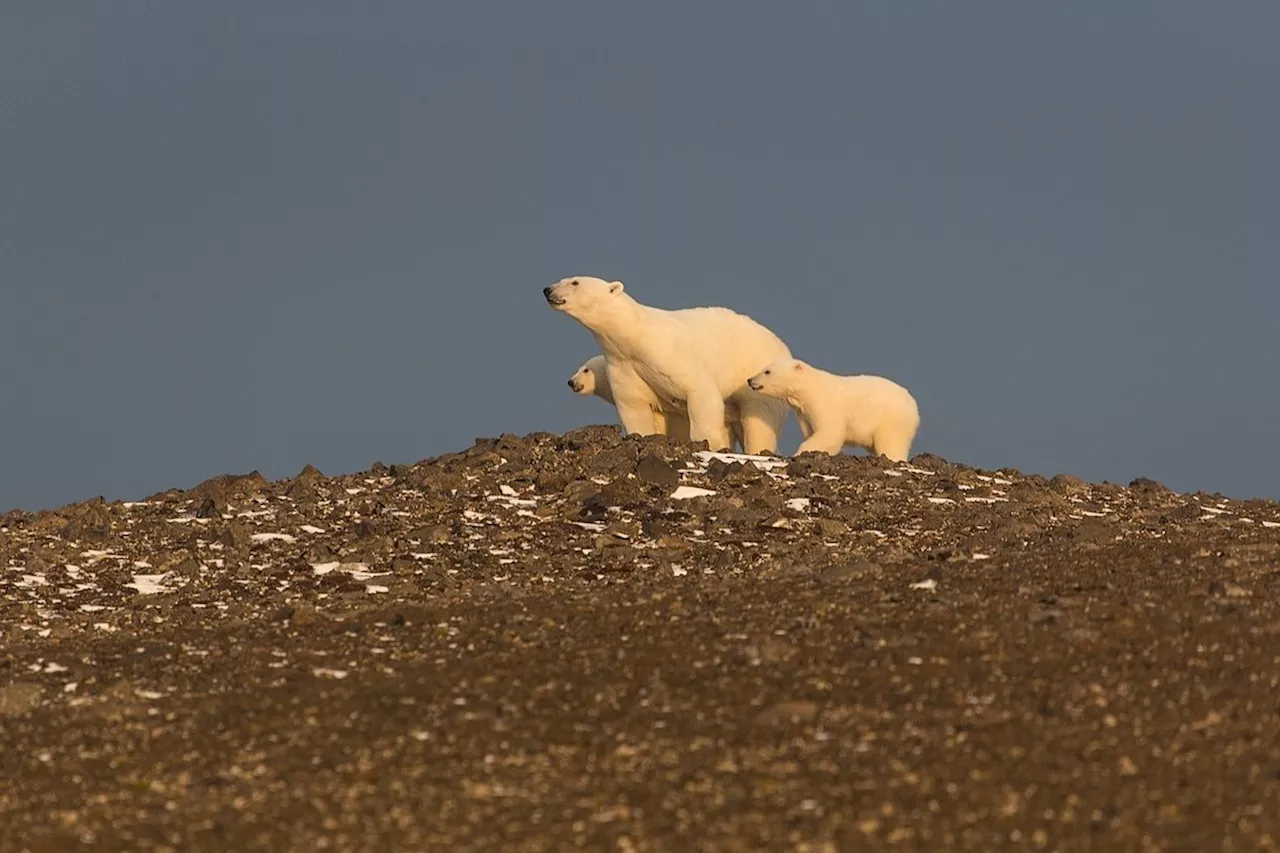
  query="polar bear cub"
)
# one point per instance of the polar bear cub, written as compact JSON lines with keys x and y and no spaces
{"x":834,"y":411}
{"x":697,"y":359}
{"x":592,"y":379}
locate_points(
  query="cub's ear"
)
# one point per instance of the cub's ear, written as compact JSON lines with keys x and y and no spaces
{"x":615,"y":287}
{"x":798,"y":366}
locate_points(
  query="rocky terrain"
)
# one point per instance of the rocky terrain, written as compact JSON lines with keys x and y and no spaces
{"x":553,"y":643}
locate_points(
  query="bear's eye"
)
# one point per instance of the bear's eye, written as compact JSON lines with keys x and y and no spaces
{"x":575,"y":282}
{"x":767,"y":372}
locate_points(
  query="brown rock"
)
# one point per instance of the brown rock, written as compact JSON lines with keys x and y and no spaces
{"x":657,"y":471}
{"x":19,"y":698}
{"x":788,"y":713}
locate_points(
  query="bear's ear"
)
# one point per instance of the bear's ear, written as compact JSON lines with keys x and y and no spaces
{"x":615,"y":287}
{"x":798,"y":366}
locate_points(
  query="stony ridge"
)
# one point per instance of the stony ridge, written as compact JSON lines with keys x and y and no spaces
{"x":619,"y":643}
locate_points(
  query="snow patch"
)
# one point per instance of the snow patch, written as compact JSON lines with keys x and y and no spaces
{"x":149,"y":584}
{"x":685,"y":492}
{"x":272,"y":537}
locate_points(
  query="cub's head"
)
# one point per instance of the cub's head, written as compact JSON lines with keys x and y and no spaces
{"x":589,"y":377}
{"x":583,"y":297}
{"x":778,"y":377}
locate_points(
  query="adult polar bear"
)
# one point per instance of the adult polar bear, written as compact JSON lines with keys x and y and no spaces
{"x":592,"y":379}
{"x":693,"y":358}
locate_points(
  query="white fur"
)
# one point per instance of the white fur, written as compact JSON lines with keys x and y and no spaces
{"x":696,"y":359}
{"x":835,"y":412}
{"x":592,"y":379}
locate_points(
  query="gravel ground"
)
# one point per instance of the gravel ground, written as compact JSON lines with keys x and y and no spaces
{"x":549,"y":643}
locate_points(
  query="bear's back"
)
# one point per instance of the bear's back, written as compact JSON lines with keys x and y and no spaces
{"x":722,"y":323}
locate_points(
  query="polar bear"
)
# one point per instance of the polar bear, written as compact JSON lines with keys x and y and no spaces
{"x":838,"y":411}
{"x":694,"y":358}
{"x":592,"y":379}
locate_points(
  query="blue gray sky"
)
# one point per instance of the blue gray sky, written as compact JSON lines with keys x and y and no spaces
{"x":243,"y":235}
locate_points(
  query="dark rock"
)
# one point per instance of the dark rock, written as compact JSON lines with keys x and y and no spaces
{"x":19,"y":698}
{"x":788,"y":713}
{"x":321,"y":552}
{"x":788,"y":571}
{"x":309,"y":473}
{"x":590,"y":438}
{"x":625,"y":494}
{"x":808,"y":464}
{"x":512,"y":445}
{"x":579,"y":492}
{"x":430,"y":534}
{"x":303,"y":615}
{"x":301,"y":490}
{"x":211,"y":507}
{"x":617,"y":461}
{"x":738,"y":473}
{"x":234,"y":535}
{"x":1068,"y":485}
{"x":551,"y":481}
{"x":656,"y":471}
{"x":849,"y":572}
{"x":832,"y":529}
{"x":718,"y":468}
{"x":226,"y":486}
{"x":90,"y":522}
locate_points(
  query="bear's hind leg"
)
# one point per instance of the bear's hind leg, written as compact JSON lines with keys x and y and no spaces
{"x":638,"y":419}
{"x":762,"y":421}
{"x":893,"y":443}
{"x":674,"y":425}
{"x":831,"y":443}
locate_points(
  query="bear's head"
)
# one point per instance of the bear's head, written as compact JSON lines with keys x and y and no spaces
{"x":778,"y":377}
{"x":584,"y":298}
{"x":589,"y":377}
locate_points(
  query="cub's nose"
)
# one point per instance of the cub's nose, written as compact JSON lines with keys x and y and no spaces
{"x":546,"y":291}
{"x":570,"y":383}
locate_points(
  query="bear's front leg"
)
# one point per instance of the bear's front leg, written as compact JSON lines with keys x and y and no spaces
{"x":634,"y":400}
{"x":806,"y":425}
{"x":706,"y":419}
{"x":830,"y":443}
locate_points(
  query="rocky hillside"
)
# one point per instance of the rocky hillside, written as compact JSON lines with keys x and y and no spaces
{"x":590,"y":642}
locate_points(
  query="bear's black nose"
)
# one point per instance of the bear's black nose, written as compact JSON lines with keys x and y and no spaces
{"x":570,"y":383}
{"x":546,"y":291}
